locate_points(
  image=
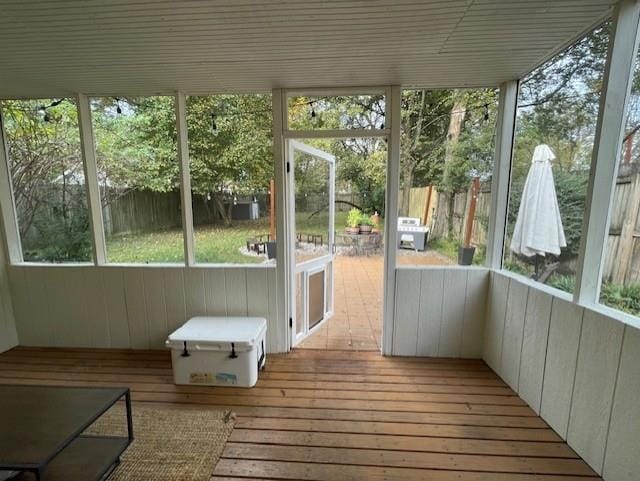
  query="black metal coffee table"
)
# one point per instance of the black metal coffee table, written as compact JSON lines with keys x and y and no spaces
{"x":41,"y":432}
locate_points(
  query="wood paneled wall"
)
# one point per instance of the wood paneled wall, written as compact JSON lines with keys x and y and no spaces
{"x":440,"y":311}
{"x":577,"y":368}
{"x":135,"y":307}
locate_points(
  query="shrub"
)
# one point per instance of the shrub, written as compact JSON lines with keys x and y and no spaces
{"x":365,"y":219}
{"x":353,"y":218}
{"x":564,"y":283}
{"x":446,"y":247}
{"x":62,"y":240}
{"x":625,"y":298}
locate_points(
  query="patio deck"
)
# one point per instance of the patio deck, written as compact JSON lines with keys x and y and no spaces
{"x":357,"y":321}
{"x":340,"y":415}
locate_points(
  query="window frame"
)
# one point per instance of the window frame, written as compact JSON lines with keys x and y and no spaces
{"x":617,"y":77}
{"x":8,"y":210}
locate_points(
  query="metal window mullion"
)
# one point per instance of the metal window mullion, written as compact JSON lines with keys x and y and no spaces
{"x":186,"y":208}
{"x":7,"y":202}
{"x":94,"y":203}
{"x":394,"y":98}
{"x":623,"y":47}
{"x":283,"y":272}
{"x":507,"y":107}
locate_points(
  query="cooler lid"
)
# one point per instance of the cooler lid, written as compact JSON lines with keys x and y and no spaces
{"x":239,"y":330}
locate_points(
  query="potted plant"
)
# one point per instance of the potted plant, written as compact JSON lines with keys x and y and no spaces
{"x":366,"y":224}
{"x":353,"y":221}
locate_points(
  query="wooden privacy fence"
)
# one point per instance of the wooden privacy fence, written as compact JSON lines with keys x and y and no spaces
{"x":418,"y":200}
{"x":622,"y":255}
{"x":145,"y":210}
{"x":622,"y":259}
{"x":140,"y":210}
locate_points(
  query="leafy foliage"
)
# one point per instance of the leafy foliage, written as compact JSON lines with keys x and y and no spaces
{"x":558,"y":105}
{"x":237,"y":157}
{"x":365,"y":219}
{"x":625,"y":298}
{"x":137,"y":148}
{"x":47,"y":176}
{"x":353,"y":218}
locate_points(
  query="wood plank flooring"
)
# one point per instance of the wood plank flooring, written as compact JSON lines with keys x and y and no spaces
{"x":340,"y":415}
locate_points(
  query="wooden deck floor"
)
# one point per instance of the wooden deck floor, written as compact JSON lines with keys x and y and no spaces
{"x":340,"y":415}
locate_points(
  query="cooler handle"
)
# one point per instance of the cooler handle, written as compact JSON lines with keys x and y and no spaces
{"x":261,"y":360}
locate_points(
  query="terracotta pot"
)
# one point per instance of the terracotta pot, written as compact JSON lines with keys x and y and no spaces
{"x":365,"y":229}
{"x":352,"y":230}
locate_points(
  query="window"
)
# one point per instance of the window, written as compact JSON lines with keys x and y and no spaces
{"x":446,"y":159}
{"x":621,"y":274}
{"x":45,"y":161}
{"x":555,"y":126}
{"x":232,"y":174}
{"x":138,"y":174}
{"x":336,"y":112}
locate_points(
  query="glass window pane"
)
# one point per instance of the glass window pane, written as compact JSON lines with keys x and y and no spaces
{"x":45,"y":160}
{"x":447,"y":149}
{"x":139,"y":178}
{"x":555,"y":127}
{"x":340,"y":112}
{"x":621,"y":271}
{"x":232,"y":174}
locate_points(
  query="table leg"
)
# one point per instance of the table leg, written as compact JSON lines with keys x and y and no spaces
{"x":129,"y":416}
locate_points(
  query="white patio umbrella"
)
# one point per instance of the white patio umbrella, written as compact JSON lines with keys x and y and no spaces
{"x":538,"y":230}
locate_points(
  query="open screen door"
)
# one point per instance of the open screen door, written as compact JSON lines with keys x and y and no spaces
{"x":310,"y":216}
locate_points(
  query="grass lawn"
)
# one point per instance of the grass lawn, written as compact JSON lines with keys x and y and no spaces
{"x":213,"y":244}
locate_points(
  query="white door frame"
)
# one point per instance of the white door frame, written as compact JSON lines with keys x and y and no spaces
{"x":312,"y":266}
{"x":391,"y":132}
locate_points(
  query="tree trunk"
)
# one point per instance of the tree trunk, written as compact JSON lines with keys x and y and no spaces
{"x":411,"y":143}
{"x":407,"y":177}
{"x":218,"y":203}
{"x":444,"y":225}
{"x":451,"y":207}
{"x":227,"y":220}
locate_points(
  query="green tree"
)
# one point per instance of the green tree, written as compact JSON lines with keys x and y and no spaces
{"x":236,"y":157}
{"x":47,"y":176}
{"x":558,"y":106}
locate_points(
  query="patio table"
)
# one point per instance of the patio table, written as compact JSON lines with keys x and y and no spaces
{"x":41,"y":432}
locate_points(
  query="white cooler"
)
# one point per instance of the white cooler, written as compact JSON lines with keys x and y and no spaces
{"x":218,"y":351}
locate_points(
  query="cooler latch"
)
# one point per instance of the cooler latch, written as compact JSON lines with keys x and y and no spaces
{"x":233,"y":354}
{"x":185,"y":352}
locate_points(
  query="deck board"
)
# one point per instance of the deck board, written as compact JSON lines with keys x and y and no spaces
{"x":333,"y":415}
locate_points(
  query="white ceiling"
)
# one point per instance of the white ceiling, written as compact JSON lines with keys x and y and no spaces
{"x":127,"y":47}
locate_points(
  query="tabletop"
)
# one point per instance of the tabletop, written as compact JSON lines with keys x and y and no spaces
{"x":37,"y":422}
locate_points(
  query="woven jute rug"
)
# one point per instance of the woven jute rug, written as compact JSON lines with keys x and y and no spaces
{"x":170,"y":443}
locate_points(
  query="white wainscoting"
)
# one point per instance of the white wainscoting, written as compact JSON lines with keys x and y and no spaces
{"x":135,"y":307}
{"x":440,"y":311}
{"x":577,"y":368}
